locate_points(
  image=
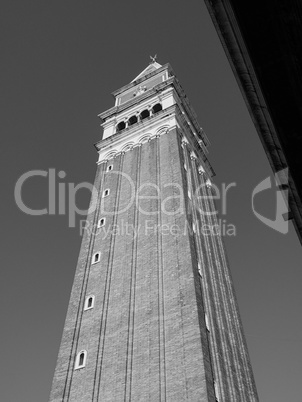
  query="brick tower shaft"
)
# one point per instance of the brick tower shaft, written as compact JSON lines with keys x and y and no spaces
{"x":152,"y":313}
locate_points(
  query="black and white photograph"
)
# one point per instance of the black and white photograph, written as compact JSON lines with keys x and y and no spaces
{"x":152,"y":201}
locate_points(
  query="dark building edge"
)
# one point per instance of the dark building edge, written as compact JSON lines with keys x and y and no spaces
{"x":257,"y":64}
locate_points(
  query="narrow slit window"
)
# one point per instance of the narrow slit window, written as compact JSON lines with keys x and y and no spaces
{"x":206,"y":318}
{"x":109,"y":168}
{"x":106,"y":192}
{"x":96,"y":257}
{"x":89,"y":302}
{"x":101,"y":222}
{"x":216,"y":391}
{"x":81,"y":359}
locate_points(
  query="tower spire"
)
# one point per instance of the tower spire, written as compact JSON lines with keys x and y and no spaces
{"x":153,"y":65}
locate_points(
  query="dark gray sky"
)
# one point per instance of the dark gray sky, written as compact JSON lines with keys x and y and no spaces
{"x":60,"y":62}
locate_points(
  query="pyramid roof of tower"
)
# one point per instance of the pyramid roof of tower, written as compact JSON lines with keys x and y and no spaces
{"x":151,"y":67}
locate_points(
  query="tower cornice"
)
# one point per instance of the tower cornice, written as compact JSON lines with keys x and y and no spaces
{"x":166,"y":66}
{"x":171,"y":117}
{"x":127,"y":105}
{"x":159,"y":89}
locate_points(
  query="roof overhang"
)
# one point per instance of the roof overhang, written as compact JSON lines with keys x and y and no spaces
{"x":254,"y":38}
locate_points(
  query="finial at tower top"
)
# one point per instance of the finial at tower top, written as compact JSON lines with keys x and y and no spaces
{"x":153,"y":59}
{"x":153,"y":65}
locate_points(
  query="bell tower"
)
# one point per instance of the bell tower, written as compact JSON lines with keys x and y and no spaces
{"x":152,"y":313}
